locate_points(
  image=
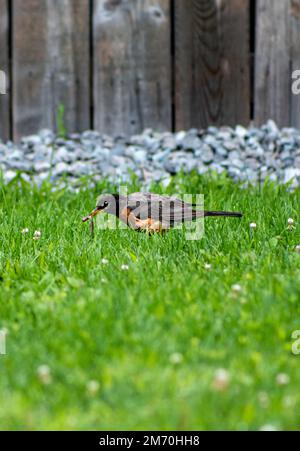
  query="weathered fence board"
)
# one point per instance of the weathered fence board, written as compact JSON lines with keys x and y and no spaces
{"x":212,"y":64}
{"x":51,"y":64}
{"x":272,"y":62}
{"x":132,"y":67}
{"x":295,"y":59}
{"x":4,"y":66}
{"x":126,"y":65}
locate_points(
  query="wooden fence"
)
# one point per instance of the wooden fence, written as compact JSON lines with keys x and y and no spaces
{"x":120,"y":66}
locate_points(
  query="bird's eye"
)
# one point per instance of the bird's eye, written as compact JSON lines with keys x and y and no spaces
{"x":105,"y":204}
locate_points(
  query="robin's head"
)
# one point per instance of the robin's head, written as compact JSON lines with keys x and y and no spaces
{"x":107,"y":203}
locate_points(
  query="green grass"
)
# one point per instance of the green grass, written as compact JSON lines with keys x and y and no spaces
{"x":88,"y":321}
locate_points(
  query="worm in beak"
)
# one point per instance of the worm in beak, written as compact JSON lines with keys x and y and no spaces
{"x":92,"y":215}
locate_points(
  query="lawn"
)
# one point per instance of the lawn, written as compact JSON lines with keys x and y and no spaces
{"x":93,"y":346}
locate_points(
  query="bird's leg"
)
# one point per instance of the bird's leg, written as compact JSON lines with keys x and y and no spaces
{"x":151,"y":226}
{"x":92,"y":226}
{"x":158,"y":227}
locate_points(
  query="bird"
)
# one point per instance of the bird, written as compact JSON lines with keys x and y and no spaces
{"x":151,"y":212}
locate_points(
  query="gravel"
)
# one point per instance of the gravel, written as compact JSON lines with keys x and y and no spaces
{"x":248,"y":155}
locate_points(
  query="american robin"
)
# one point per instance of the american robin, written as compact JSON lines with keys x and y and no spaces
{"x":151,"y":212}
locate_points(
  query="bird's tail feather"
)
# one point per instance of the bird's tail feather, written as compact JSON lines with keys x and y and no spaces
{"x":231,"y":214}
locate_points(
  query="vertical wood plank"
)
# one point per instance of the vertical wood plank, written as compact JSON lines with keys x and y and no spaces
{"x":295,"y":59}
{"x":51,"y":64}
{"x":212,"y":62}
{"x":4,"y":66}
{"x":132,"y":67}
{"x":272,"y":62}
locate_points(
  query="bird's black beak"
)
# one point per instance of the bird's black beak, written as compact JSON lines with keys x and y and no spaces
{"x":93,"y":214}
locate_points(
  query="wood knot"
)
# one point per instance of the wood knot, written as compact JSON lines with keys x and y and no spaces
{"x":157,"y":13}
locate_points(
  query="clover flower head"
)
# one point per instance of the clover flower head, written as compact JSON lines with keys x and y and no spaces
{"x":44,"y":374}
{"x":221,"y":380}
{"x":176,"y":358}
{"x":37,"y":235}
{"x":92,"y":387}
{"x":125,"y":267}
{"x":236,"y":288}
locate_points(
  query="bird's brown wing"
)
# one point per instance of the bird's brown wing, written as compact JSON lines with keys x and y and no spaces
{"x":167,"y":210}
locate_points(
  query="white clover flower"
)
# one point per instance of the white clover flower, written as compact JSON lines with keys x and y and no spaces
{"x":207,"y":266}
{"x":288,"y":401}
{"x":236,"y":288}
{"x":253,"y":225}
{"x":291,"y":221}
{"x":104,"y":261}
{"x":263,"y":399}
{"x":176,"y":358}
{"x":268,"y":428}
{"x":44,"y":374}
{"x":37,"y":235}
{"x":221,"y":380}
{"x":25,"y":231}
{"x":93,"y":387}
{"x":125,"y":267}
{"x":297,"y":248}
{"x":282,"y":379}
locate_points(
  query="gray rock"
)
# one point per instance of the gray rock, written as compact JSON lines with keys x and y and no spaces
{"x":297,"y":162}
{"x":15,"y":155}
{"x":212,"y":130}
{"x":22,"y":166}
{"x":171,"y":166}
{"x":179,"y":137}
{"x":221,"y":151}
{"x":80,"y":168}
{"x":211,"y":141}
{"x":169,"y":142}
{"x":234,"y":155}
{"x":60,"y":141}
{"x":119,"y":149}
{"x":225,"y":135}
{"x":207,"y":156}
{"x":241,"y":131}
{"x":161,"y":156}
{"x":47,"y":137}
{"x":31,"y":141}
{"x":272,"y":127}
{"x":63,"y":155}
{"x":41,"y":166}
{"x":9,"y":176}
{"x":118,"y":161}
{"x":91,"y":135}
{"x":61,"y":169}
{"x":291,"y":174}
{"x":237,"y":163}
{"x":252,"y":164}
{"x":140,"y":157}
{"x":191,"y":142}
